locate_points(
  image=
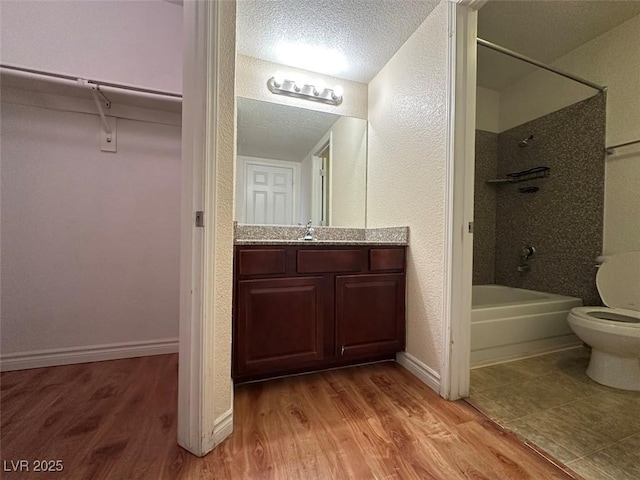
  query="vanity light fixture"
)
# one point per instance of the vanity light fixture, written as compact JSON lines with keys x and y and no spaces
{"x":332,"y":96}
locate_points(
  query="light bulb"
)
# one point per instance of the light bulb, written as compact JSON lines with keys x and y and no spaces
{"x":338,"y":91}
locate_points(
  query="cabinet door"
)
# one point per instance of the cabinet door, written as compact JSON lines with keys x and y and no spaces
{"x":279,"y":324}
{"x":370,"y":315}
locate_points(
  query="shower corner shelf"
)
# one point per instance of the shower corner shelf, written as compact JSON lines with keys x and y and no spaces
{"x":523,"y":175}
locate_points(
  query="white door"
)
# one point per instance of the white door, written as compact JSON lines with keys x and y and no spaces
{"x":269,"y":194}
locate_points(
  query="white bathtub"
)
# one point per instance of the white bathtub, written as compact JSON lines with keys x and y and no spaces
{"x":509,"y":323}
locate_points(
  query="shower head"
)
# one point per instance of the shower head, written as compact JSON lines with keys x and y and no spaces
{"x":525,"y":142}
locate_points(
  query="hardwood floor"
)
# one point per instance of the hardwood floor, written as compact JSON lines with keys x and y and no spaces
{"x":117,"y":420}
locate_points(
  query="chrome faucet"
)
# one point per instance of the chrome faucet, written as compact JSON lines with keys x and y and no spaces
{"x":308,"y":232}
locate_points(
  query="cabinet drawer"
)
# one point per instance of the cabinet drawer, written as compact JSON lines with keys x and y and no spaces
{"x":325,"y":261}
{"x":262,"y":261}
{"x":381,"y":259}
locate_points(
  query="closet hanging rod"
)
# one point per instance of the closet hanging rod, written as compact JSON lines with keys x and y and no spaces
{"x":93,"y":82}
{"x":610,"y":150}
{"x":532,"y":61}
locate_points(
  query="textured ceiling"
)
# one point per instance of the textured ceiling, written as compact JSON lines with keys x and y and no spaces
{"x":544,"y":30}
{"x":271,"y":130}
{"x":367,"y":32}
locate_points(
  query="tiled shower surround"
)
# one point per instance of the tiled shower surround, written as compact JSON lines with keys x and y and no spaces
{"x":484,"y":221}
{"x":563,"y":220}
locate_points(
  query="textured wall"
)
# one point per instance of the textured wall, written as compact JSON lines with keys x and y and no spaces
{"x":406,"y":172}
{"x":220,"y":309}
{"x":128,"y":42}
{"x":251,"y":82}
{"x":484,"y":208}
{"x":563,"y":220}
{"x":610,"y":59}
{"x":90,"y":240}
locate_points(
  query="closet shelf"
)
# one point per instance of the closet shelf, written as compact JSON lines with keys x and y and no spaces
{"x":523,"y":175}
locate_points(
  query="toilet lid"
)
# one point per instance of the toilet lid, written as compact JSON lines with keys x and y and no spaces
{"x":618,"y":280}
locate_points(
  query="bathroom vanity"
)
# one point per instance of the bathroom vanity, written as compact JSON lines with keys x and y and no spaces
{"x":301,"y":306}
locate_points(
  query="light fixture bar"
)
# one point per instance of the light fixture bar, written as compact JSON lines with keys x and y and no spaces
{"x":307,"y":92}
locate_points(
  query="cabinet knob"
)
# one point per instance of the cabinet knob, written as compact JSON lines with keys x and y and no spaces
{"x":342,"y":351}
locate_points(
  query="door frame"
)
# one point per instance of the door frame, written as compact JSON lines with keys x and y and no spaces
{"x":316,"y":179}
{"x":241,"y":175}
{"x":456,"y":337}
{"x":205,"y":388}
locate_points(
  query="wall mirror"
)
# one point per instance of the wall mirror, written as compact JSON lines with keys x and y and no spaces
{"x":294,"y":165}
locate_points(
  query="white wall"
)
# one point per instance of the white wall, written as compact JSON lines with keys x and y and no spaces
{"x":487,"y":110}
{"x":90,"y":240}
{"x":135,"y":42}
{"x":610,"y":59}
{"x":251,"y":82}
{"x":348,"y":172}
{"x":406,"y":172}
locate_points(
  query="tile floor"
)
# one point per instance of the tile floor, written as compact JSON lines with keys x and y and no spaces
{"x":551,"y":402}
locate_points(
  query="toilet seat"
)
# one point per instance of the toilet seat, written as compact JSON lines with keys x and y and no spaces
{"x":618,"y":281}
{"x":607,"y":315}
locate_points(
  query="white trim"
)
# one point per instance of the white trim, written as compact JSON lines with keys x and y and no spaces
{"x":426,"y":374}
{"x":223,"y":426}
{"x":241,"y":175}
{"x":448,"y":207}
{"x":316,"y":190}
{"x":199,"y":104}
{"x":208,"y":155}
{"x":316,"y":180}
{"x":95,"y":353}
{"x":459,"y":205}
{"x":472,"y":4}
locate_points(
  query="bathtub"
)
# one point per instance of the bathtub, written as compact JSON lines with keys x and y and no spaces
{"x":509,"y":323}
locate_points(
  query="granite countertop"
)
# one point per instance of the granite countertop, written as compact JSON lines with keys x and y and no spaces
{"x":317,"y":242}
{"x":291,"y":235}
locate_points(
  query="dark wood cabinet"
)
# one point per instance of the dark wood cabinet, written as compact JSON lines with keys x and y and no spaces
{"x":281,"y":322}
{"x":303,"y":308}
{"x":370,"y":312}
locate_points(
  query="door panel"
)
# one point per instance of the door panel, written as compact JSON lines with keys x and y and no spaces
{"x":370,"y":314}
{"x":280,"y":324}
{"x":269,"y":194}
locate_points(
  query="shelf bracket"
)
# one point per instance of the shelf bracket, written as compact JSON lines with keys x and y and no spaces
{"x":109,"y":131}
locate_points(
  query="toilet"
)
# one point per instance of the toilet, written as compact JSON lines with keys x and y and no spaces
{"x":613,"y":332}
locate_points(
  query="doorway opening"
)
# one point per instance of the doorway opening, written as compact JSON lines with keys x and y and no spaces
{"x":321,"y":200}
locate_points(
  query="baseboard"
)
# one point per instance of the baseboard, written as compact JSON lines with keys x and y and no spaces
{"x":426,"y":374}
{"x":529,"y":354}
{"x":95,"y":353}
{"x":223,"y":427}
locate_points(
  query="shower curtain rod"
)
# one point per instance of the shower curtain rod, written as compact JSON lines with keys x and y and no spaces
{"x":551,"y":68}
{"x":98,"y":83}
{"x":610,"y":150}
